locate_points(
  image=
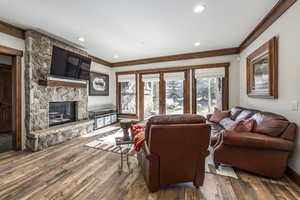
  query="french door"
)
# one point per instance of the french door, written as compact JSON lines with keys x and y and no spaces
{"x":163,"y":93}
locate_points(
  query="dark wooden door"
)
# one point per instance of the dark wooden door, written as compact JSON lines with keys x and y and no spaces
{"x":5,"y":99}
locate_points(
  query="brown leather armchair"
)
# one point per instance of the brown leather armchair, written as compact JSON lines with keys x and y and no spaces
{"x":263,"y":151}
{"x":174,"y":150}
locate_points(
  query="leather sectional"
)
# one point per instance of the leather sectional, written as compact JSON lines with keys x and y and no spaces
{"x":264,"y":151}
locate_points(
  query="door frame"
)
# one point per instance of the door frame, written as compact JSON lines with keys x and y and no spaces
{"x":17,"y":91}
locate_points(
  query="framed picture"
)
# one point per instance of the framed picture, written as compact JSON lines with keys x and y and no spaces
{"x":262,"y":71}
{"x":99,"y":84}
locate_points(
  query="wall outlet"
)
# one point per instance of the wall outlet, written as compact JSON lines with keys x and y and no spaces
{"x":295,"y":105}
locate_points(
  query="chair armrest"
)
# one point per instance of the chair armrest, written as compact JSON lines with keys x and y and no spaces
{"x":149,"y":164}
{"x":208,"y":116}
{"x":146,"y":149}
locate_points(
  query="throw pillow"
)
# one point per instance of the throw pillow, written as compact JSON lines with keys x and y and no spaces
{"x":242,"y":126}
{"x":218,"y":115}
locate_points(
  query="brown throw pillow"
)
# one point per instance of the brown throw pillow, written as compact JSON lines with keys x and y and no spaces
{"x":242,"y":126}
{"x":218,"y":115}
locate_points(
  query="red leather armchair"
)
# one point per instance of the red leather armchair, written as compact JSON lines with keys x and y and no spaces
{"x":174,"y":150}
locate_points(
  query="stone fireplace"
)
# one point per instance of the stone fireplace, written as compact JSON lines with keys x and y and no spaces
{"x":62,"y":112}
{"x":54,"y":114}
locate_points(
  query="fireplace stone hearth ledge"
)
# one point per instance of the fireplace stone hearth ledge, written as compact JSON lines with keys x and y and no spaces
{"x":42,"y":139}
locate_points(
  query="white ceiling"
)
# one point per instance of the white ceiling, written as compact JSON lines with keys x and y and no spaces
{"x":137,"y":29}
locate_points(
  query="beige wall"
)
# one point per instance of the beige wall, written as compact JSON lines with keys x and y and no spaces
{"x":233,"y":71}
{"x":287,"y":29}
{"x":96,"y":101}
{"x":12,"y":42}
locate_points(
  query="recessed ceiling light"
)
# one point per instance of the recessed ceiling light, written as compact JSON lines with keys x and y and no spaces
{"x":199,"y":8}
{"x":116,"y":56}
{"x":197,"y":44}
{"x":81,"y":39}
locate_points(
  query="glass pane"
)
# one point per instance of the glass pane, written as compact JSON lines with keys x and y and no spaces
{"x":128,"y":97}
{"x":174,"y":97}
{"x":151,"y":98}
{"x":209,"y":95}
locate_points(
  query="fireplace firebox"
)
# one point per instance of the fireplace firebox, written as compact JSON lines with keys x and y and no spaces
{"x":62,"y":112}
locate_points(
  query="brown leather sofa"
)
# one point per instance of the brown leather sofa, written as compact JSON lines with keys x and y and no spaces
{"x":174,"y":150}
{"x":263,"y":151}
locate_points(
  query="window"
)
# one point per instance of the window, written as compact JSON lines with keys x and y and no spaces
{"x":151,"y":94}
{"x":209,"y":89}
{"x":127,"y":94}
{"x":209,"y":95}
{"x":174,"y":92}
{"x":174,"y":97}
{"x":151,"y":98}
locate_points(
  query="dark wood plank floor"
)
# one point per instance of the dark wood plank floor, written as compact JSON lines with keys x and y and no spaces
{"x":73,"y":171}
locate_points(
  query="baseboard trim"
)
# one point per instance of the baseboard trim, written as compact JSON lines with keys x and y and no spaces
{"x":294,"y":176}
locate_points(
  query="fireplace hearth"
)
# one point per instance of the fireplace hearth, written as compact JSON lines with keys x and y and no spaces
{"x":62,"y":112}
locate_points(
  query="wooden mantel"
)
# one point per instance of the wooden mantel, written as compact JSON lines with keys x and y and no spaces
{"x":54,"y":83}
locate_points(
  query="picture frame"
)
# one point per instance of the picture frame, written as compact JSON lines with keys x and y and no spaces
{"x":262,"y":71}
{"x":98,"y":84}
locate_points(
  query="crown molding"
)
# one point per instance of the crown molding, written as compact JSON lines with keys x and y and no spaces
{"x":175,"y":69}
{"x":100,"y":61}
{"x":203,"y":54}
{"x":12,"y":30}
{"x":281,"y":7}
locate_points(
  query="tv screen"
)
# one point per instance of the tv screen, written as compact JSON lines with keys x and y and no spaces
{"x":69,"y":65}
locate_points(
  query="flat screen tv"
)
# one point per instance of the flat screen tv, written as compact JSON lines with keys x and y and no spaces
{"x":66,"y":64}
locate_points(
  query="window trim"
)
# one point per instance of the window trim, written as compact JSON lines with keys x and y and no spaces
{"x":225,"y":93}
{"x":118,"y":98}
{"x":189,"y":86}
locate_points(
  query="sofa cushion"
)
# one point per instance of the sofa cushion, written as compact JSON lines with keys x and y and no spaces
{"x":226,"y":122}
{"x":242,"y":126}
{"x":269,"y":123}
{"x":256,"y":140}
{"x":245,"y":114}
{"x":234,"y":112}
{"x":218,"y":115}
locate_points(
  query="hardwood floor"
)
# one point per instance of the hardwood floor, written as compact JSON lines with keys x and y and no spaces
{"x":73,"y":171}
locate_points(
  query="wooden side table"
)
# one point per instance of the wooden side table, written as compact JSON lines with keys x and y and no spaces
{"x":125,"y":125}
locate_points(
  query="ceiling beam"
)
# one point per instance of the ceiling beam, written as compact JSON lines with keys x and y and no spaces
{"x":100,"y":61}
{"x":203,"y":54}
{"x":268,"y":20}
{"x":12,"y":30}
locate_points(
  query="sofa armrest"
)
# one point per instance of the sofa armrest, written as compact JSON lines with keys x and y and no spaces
{"x":256,"y":140}
{"x":290,"y":132}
